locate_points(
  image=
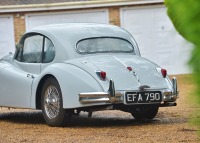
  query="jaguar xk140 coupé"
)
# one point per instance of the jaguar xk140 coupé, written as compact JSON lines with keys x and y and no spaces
{"x":64,"y":69}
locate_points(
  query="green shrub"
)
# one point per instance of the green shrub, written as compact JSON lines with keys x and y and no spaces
{"x":185,"y":15}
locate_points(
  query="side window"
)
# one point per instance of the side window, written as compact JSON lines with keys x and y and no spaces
{"x":32,"y":50}
{"x":49,"y":51}
{"x":19,"y":52}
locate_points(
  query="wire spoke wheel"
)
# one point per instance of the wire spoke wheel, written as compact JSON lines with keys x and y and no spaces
{"x":52,"y":104}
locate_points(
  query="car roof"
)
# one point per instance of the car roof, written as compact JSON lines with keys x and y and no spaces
{"x":68,"y":34}
{"x":79,"y":31}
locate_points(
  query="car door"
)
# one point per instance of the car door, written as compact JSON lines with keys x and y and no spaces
{"x":17,"y":79}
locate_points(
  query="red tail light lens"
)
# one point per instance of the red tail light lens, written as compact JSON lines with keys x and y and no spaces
{"x":129,"y":68}
{"x":164,"y":72}
{"x":101,"y":74}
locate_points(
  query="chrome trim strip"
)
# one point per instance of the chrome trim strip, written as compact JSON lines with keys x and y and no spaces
{"x":93,"y":95}
{"x":142,"y":87}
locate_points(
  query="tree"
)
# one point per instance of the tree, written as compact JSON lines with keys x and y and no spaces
{"x":185,"y":15}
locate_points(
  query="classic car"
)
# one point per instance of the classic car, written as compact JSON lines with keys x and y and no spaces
{"x":64,"y":69}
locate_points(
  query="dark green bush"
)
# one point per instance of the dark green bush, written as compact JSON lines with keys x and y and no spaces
{"x":185,"y":15}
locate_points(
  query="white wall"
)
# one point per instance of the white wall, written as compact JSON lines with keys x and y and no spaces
{"x":157,"y":39}
{"x":94,"y":16}
{"x":7,"y":43}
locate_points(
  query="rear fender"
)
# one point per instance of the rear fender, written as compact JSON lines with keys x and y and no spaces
{"x":72,"y":81}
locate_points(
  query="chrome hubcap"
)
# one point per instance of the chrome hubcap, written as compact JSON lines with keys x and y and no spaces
{"x":51,"y":102}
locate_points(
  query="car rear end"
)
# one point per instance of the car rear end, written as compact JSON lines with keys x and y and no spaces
{"x":130,"y":80}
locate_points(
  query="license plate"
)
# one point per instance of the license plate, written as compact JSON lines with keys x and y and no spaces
{"x":143,"y":97}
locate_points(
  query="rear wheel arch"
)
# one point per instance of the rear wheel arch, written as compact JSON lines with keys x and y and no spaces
{"x":39,"y":89}
{"x":52,"y":104}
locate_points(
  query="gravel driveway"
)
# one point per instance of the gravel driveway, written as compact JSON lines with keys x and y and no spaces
{"x":170,"y":125}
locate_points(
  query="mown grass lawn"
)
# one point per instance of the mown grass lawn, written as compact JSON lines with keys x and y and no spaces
{"x":193,"y":98}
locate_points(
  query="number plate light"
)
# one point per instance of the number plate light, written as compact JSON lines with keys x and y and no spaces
{"x":167,"y":95}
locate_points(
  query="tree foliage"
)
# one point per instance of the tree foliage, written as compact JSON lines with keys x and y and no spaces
{"x":185,"y":15}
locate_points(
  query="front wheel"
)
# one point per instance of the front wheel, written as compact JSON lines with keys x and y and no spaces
{"x":146,"y":112}
{"x":52,"y":104}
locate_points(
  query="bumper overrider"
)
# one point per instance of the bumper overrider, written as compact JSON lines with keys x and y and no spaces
{"x":169,"y":96}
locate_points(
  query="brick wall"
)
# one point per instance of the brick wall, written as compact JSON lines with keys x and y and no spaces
{"x":114,"y":15}
{"x":19,"y":25}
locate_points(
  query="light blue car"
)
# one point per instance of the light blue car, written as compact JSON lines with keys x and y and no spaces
{"x":64,"y":69}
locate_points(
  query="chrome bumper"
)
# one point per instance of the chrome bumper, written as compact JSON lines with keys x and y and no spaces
{"x":108,"y":97}
{"x":175,"y":87}
{"x":113,"y":96}
{"x":99,"y":97}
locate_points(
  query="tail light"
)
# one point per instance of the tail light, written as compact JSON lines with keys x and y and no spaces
{"x":129,"y":68}
{"x":101,"y":75}
{"x":164,"y":72}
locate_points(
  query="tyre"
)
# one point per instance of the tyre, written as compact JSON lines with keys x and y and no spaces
{"x":142,"y":113}
{"x":52,"y":104}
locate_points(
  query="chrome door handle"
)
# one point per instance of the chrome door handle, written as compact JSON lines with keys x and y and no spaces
{"x":30,"y":76}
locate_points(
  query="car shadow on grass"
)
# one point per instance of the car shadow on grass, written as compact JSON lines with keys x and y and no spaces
{"x":98,"y":120}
